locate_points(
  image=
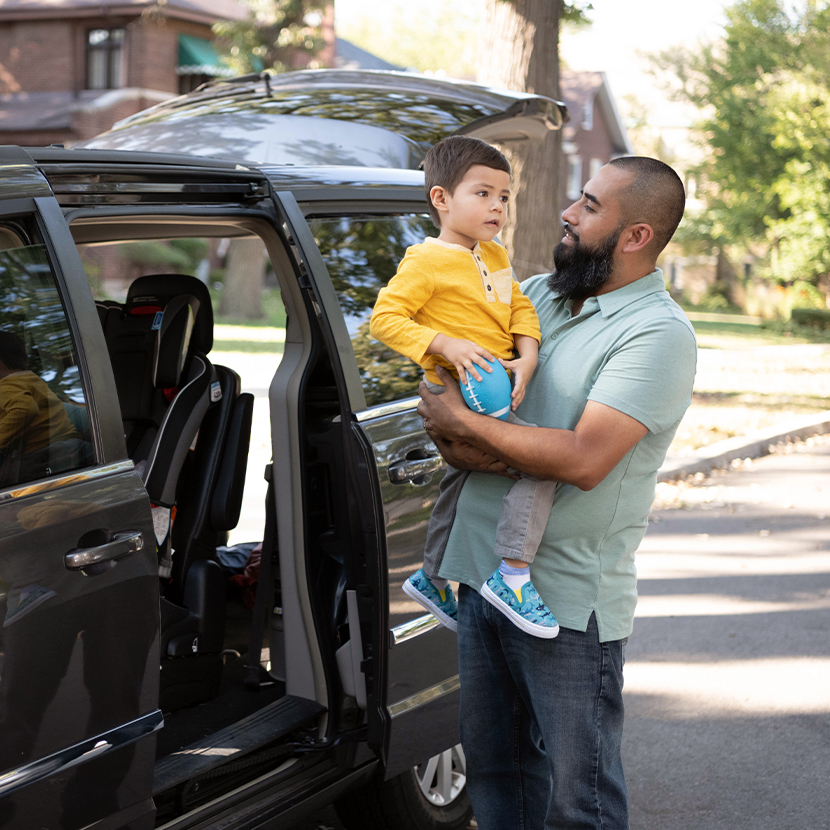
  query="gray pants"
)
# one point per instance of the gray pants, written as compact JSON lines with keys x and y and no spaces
{"x":524,"y":513}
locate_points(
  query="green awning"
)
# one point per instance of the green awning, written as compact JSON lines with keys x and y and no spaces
{"x":197,"y":56}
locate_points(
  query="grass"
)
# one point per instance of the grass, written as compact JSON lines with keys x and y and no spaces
{"x":743,"y":382}
{"x":264,"y":336}
{"x":744,"y":385}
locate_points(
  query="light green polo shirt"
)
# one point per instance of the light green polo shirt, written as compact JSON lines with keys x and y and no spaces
{"x":632,"y":349}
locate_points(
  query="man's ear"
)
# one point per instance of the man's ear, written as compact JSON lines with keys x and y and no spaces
{"x":636,"y":238}
{"x":438,"y":197}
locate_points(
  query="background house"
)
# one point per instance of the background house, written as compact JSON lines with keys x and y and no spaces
{"x":595,"y":133}
{"x":69,"y":69}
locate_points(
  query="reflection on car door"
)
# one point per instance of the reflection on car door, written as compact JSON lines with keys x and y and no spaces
{"x":361,"y":252}
{"x":78,"y":569}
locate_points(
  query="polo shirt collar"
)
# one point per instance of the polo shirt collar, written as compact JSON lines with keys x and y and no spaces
{"x":615,"y":301}
{"x":452,"y":246}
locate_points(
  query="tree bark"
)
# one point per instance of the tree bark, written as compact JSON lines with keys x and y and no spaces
{"x":244,"y":280}
{"x":520,"y":51}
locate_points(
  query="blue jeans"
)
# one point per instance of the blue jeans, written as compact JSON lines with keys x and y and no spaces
{"x":541,"y":724}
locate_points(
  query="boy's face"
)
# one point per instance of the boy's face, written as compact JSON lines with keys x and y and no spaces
{"x":477,"y":210}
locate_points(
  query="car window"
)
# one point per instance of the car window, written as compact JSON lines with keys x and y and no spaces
{"x":44,"y":425}
{"x":362,"y":254}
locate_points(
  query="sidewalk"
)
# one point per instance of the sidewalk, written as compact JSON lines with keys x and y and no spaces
{"x":753,"y":445}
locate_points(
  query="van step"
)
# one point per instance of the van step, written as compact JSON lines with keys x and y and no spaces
{"x":235,"y":741}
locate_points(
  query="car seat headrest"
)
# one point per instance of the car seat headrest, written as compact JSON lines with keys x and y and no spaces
{"x":174,"y":328}
{"x":151,"y":294}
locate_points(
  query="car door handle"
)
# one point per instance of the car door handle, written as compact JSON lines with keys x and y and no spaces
{"x":121,"y":545}
{"x":402,"y":472}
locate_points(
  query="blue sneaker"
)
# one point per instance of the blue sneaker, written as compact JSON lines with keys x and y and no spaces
{"x":524,"y":608}
{"x":440,"y":603}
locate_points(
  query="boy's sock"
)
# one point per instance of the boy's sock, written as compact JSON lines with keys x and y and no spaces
{"x":439,"y":583}
{"x":514,"y":578}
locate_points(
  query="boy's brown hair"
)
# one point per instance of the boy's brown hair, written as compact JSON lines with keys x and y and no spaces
{"x":448,"y":161}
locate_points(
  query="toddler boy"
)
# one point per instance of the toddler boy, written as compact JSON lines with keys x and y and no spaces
{"x":454,"y":303}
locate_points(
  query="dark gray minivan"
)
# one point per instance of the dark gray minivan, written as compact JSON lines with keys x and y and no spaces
{"x":137,"y":689}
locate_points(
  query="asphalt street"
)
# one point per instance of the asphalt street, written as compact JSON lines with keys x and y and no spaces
{"x":727,"y":676}
{"x":727,"y":673}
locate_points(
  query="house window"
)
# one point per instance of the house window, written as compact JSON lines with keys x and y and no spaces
{"x":104,"y":58}
{"x":588,"y":115}
{"x":595,"y":166}
{"x":574,"y":177}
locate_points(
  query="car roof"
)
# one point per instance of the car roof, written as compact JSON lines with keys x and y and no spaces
{"x":342,"y":117}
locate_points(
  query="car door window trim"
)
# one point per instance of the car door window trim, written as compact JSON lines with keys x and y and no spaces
{"x":72,"y":477}
{"x":72,"y":756}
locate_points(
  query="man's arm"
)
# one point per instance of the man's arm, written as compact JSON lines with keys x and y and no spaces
{"x":583,"y":456}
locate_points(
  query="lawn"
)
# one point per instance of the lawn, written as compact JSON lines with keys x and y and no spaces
{"x":750,"y":378}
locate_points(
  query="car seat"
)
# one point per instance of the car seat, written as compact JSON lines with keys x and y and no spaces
{"x":187,"y":428}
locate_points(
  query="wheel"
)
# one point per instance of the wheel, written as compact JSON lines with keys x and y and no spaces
{"x":430,"y":796}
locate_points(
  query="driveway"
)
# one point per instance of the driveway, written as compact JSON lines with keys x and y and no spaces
{"x":728,"y":671}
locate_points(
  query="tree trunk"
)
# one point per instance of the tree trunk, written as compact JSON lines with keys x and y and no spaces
{"x":520,"y":51}
{"x":244,"y":280}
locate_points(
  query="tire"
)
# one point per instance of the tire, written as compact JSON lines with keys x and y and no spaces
{"x":430,"y":796}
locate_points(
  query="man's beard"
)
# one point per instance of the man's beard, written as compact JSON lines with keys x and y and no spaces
{"x":582,"y":272}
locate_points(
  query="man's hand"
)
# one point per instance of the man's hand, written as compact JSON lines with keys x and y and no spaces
{"x":463,"y":354}
{"x":444,"y":415}
{"x":466,"y":457}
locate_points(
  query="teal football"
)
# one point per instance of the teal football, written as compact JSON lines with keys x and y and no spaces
{"x":490,"y":395}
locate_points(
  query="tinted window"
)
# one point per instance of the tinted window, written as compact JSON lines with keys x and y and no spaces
{"x":44,"y":427}
{"x":362,"y":254}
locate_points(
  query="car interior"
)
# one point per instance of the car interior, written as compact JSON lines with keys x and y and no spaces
{"x":188,"y":427}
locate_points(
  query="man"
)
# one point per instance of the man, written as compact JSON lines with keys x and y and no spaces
{"x":542,"y":735}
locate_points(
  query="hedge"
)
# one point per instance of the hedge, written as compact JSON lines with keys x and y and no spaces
{"x":816,"y":318}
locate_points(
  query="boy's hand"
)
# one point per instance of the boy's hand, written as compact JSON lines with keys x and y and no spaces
{"x":463,"y":354}
{"x":522,"y":369}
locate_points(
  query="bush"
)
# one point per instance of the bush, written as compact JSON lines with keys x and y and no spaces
{"x":814,"y":318}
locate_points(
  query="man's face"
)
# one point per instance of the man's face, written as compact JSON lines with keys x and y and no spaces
{"x":584,"y":258}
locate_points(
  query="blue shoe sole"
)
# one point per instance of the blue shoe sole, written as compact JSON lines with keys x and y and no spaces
{"x":541,"y":631}
{"x":444,"y":619}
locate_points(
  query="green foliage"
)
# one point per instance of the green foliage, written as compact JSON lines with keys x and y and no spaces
{"x":815,"y":318}
{"x":279,"y":35}
{"x":180,"y":255}
{"x":716,"y":298}
{"x":763,"y":94}
{"x":273,"y":310}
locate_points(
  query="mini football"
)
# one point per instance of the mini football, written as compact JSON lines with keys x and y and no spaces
{"x":490,"y":395}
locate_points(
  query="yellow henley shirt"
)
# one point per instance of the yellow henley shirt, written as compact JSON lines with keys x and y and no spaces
{"x":442,"y":288}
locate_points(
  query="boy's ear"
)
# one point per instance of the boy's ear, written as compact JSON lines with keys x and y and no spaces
{"x":438,"y":197}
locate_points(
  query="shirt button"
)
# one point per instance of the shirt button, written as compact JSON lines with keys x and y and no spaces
{"x":489,"y":288}
{"x":485,"y":271}
{"x":553,"y":337}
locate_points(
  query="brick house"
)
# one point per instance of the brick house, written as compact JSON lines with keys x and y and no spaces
{"x":69,"y":69}
{"x":595,"y":133}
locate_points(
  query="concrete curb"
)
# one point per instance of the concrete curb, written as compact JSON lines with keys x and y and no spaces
{"x":754,"y":445}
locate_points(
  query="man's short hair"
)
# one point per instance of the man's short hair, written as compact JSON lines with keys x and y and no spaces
{"x":448,"y":161}
{"x":655,"y":196}
{"x":13,"y":351}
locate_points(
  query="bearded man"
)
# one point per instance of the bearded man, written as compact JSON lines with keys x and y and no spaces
{"x":541,"y":720}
